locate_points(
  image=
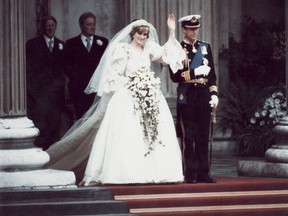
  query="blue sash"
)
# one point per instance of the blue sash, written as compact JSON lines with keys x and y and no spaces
{"x":197,"y":60}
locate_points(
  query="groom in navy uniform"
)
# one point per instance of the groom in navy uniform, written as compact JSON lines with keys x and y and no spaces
{"x":45,"y":82}
{"x":83,"y":54}
{"x":196,"y":99}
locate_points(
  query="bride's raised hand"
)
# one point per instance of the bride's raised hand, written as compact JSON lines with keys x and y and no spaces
{"x":171,"y":22}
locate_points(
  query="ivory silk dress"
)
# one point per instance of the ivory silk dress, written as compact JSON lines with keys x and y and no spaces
{"x":119,"y":146}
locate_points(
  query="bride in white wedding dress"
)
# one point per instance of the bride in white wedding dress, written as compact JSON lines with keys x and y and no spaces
{"x":129,"y":132}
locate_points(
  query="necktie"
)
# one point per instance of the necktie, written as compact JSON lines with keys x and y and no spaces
{"x":50,"y":45}
{"x":88,"y":45}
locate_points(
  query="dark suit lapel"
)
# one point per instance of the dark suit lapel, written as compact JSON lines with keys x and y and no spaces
{"x":43,"y":45}
{"x":95,"y":45}
{"x":58,"y":45}
{"x":81,"y":44}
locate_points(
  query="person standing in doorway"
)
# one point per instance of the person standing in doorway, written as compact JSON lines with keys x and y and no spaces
{"x":196,"y":98}
{"x":45,"y":83}
{"x":83,"y":54}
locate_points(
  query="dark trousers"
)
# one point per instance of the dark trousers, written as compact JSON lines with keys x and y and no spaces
{"x":195,"y":123}
{"x":81,"y":101}
{"x":45,"y":112}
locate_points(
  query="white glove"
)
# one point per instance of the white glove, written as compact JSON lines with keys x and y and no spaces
{"x":202,"y":70}
{"x":214,"y":101}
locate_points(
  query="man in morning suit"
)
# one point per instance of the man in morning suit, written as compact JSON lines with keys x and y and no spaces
{"x":196,"y":98}
{"x":83,"y":54}
{"x":45,"y":83}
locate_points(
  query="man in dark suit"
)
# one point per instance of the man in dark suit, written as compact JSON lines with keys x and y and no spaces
{"x":196,"y":99}
{"x":83,"y":54}
{"x":45,"y":83}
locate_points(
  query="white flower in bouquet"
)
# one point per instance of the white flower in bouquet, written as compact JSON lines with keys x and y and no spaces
{"x":145,"y":89}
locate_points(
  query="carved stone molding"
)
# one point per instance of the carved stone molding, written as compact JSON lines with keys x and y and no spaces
{"x":42,"y":10}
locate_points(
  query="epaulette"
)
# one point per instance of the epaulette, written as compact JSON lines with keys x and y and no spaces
{"x":204,"y":42}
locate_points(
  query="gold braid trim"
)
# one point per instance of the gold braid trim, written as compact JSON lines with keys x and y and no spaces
{"x":186,"y":75}
{"x":186,"y":62}
{"x":213,"y":88}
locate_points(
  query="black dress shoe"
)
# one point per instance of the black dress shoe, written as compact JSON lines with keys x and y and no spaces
{"x":206,"y":180}
{"x":191,"y":181}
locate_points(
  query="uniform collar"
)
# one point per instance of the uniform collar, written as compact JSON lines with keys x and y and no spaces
{"x":188,"y":42}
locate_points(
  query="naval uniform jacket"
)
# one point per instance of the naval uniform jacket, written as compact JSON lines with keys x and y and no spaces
{"x":186,"y":78}
{"x":193,"y":108}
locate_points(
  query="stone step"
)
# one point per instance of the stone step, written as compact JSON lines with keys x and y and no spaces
{"x":61,"y":201}
{"x":204,"y":199}
{"x":226,"y":210}
{"x":230,"y":196}
{"x":88,"y":207}
{"x":67,"y":194}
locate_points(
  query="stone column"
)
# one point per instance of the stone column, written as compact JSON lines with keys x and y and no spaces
{"x":279,"y":153}
{"x":20,"y":160}
{"x":276,"y":163}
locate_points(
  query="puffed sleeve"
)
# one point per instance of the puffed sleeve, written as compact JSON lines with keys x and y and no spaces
{"x":170,"y":53}
{"x":114,"y":78}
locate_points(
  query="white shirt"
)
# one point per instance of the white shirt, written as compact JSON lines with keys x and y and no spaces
{"x":83,"y":38}
{"x":47,"y":39}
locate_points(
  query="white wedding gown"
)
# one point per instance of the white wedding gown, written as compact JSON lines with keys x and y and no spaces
{"x":118,"y":147}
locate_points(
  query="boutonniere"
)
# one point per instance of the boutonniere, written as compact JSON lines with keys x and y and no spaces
{"x":204,"y":50}
{"x":60,"y":46}
{"x":99,"y":42}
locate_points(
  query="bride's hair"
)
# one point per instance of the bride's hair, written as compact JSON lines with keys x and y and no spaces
{"x":96,"y":83}
{"x":139,"y":29}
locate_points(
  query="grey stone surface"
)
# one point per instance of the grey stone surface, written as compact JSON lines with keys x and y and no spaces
{"x":278,"y":154}
{"x":23,"y":158}
{"x":36,"y":178}
{"x":262,"y":169}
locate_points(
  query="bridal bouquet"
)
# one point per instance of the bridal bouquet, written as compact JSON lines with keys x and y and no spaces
{"x":145,"y":88}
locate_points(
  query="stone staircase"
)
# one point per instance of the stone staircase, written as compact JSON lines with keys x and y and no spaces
{"x":65,"y":201}
{"x":230,"y":196}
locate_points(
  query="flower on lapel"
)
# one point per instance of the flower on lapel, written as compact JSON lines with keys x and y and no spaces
{"x":60,"y":46}
{"x":99,"y":42}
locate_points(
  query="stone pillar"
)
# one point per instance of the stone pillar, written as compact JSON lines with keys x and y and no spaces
{"x":279,"y":153}
{"x":276,"y":163}
{"x":20,"y":160}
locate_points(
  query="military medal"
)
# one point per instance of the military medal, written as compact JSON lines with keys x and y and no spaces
{"x":194,"y":50}
{"x":204,"y":50}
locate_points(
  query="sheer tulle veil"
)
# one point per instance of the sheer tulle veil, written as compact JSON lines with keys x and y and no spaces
{"x":72,"y":151}
{"x":97,"y":80}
